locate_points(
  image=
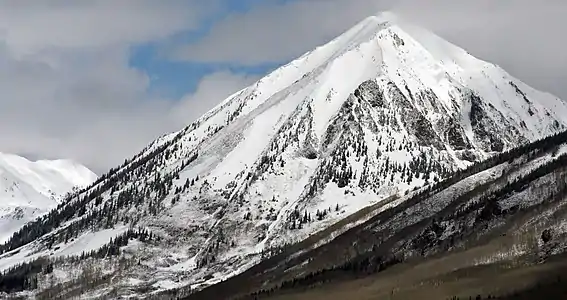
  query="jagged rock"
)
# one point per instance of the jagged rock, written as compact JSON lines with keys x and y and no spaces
{"x":371,"y":92}
{"x":455,"y":135}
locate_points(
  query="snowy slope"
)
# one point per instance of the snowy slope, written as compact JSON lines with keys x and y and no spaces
{"x":382,"y":109}
{"x":494,"y":212}
{"x":29,"y":189}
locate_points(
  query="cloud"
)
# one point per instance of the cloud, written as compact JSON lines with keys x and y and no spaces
{"x":68,"y":90}
{"x":523,"y":36}
{"x":30,"y":26}
{"x":275,"y":33}
{"x":97,"y":113}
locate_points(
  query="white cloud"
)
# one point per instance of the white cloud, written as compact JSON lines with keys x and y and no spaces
{"x":33,"y":25}
{"x":67,"y":90}
{"x":97,"y":113}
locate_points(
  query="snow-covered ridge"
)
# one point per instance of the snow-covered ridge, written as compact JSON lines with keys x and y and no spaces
{"x":380,"y":110}
{"x":30,"y":188}
{"x":47,"y":176}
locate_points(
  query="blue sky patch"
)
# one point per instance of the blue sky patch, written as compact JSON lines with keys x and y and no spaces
{"x":173,"y":78}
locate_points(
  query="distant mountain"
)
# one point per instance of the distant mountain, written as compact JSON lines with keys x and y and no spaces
{"x":29,"y":189}
{"x":383,"y":109}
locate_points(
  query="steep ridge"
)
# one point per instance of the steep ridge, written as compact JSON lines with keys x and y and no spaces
{"x":29,"y":189}
{"x":381,"y":110}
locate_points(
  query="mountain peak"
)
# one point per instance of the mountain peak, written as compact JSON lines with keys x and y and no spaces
{"x":65,"y":170}
{"x":30,"y":188}
{"x":382,"y":17}
{"x":375,"y":113}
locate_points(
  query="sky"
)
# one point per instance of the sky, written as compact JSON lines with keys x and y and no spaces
{"x":96,"y":80}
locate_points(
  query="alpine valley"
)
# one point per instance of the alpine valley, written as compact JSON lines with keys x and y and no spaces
{"x":382,"y":113}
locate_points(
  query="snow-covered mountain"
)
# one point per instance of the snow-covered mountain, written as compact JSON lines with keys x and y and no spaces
{"x":382,"y":109}
{"x":475,"y":235}
{"x":29,"y":189}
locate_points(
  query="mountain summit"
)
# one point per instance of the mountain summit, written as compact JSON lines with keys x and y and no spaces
{"x":29,"y":189}
{"x":384,"y":108}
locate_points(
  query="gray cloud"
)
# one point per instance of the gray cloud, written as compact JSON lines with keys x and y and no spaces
{"x":28,"y":26}
{"x":97,"y":113}
{"x":523,"y":36}
{"x":68,"y":90}
{"x":275,"y":33}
